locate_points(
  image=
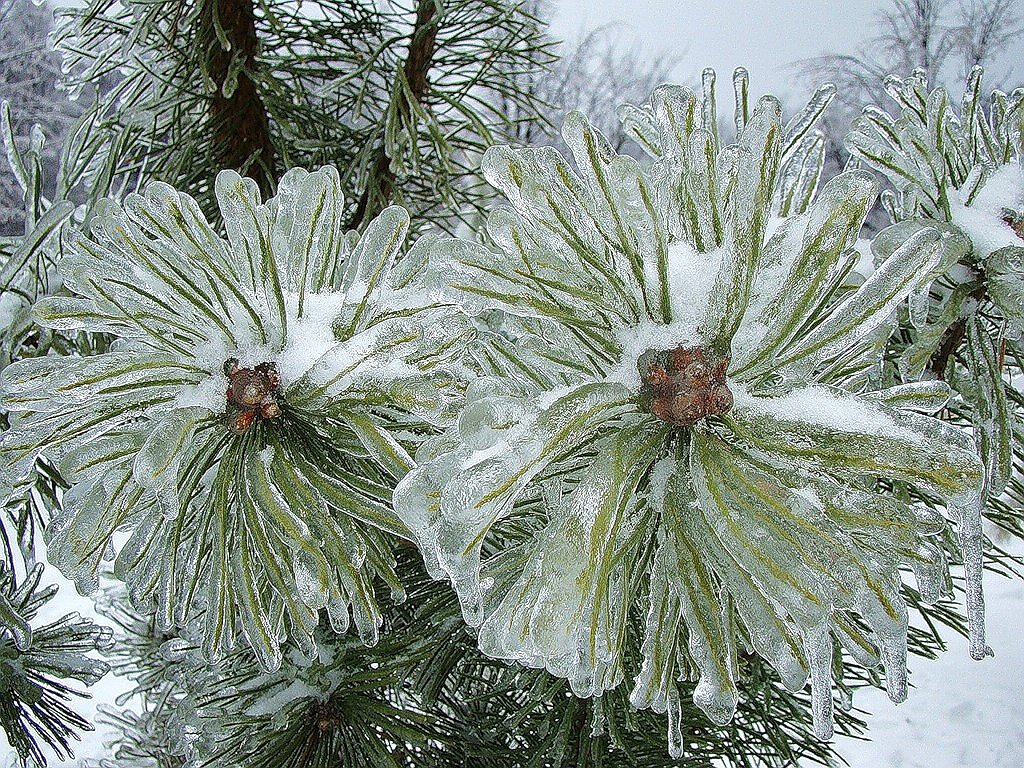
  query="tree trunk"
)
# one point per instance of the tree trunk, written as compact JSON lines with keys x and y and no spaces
{"x":380,"y":183}
{"x":238,"y":122}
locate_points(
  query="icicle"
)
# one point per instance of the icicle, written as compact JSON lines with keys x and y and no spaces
{"x":894,"y":659}
{"x":709,"y":114}
{"x":741,"y":87}
{"x":918,"y":302}
{"x":676,"y":744}
{"x":598,"y":720}
{"x":929,"y":571}
{"x":818,"y":646}
{"x":801,"y":123}
{"x":966,"y":510}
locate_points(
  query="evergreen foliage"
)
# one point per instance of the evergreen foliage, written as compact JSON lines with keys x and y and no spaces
{"x":413,"y":701}
{"x":695,"y":436}
{"x":40,"y":660}
{"x":399,"y":97}
{"x":669,"y":419}
{"x":264,"y":504}
{"x":959,"y":168}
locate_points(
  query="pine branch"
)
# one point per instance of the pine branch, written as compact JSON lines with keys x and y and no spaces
{"x":381,"y":181}
{"x":952,"y":338}
{"x":241,"y":130}
{"x":577,"y":736}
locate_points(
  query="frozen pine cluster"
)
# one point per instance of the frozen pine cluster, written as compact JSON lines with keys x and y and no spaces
{"x":694,"y":453}
{"x":655,"y":434}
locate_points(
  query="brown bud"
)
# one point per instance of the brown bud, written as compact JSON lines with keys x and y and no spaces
{"x":270,"y":375}
{"x":251,"y":392}
{"x":239,"y":421}
{"x":681,"y":386}
{"x":1016,"y":223}
{"x":248,"y":388}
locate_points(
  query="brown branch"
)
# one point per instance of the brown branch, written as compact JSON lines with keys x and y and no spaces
{"x":380,"y":184}
{"x":239,"y":123}
{"x":952,"y":338}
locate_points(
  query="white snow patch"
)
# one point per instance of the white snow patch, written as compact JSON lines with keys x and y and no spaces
{"x":311,"y":336}
{"x":208,"y":394}
{"x":691,"y":276}
{"x":982,"y":220}
{"x":865,"y":266}
{"x":823,"y":407}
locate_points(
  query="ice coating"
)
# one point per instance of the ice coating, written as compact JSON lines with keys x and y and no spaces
{"x":238,"y":391}
{"x":966,"y":510}
{"x":481,"y":484}
{"x":765,"y":520}
{"x":826,"y":407}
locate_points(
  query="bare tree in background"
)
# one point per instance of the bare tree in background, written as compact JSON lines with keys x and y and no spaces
{"x":29,"y":71}
{"x":988,"y":27}
{"x":595,"y":73}
{"x":600,"y":71}
{"x":944,"y":38}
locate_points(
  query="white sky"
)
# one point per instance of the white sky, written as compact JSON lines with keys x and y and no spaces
{"x":762,"y":35}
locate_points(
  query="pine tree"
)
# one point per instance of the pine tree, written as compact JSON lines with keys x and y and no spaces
{"x":672,"y":451}
{"x":676,"y":441}
{"x":959,"y":168}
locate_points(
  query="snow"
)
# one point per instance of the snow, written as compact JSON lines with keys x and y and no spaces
{"x":691,"y":276}
{"x":295,"y":690}
{"x":104,"y":692}
{"x":311,"y":336}
{"x":823,"y":407}
{"x":962,"y":713}
{"x":865,"y":266}
{"x":207,"y":393}
{"x":982,"y":220}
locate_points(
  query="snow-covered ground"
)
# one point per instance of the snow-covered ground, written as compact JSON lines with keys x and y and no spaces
{"x":104,"y":692}
{"x":960,"y":714}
